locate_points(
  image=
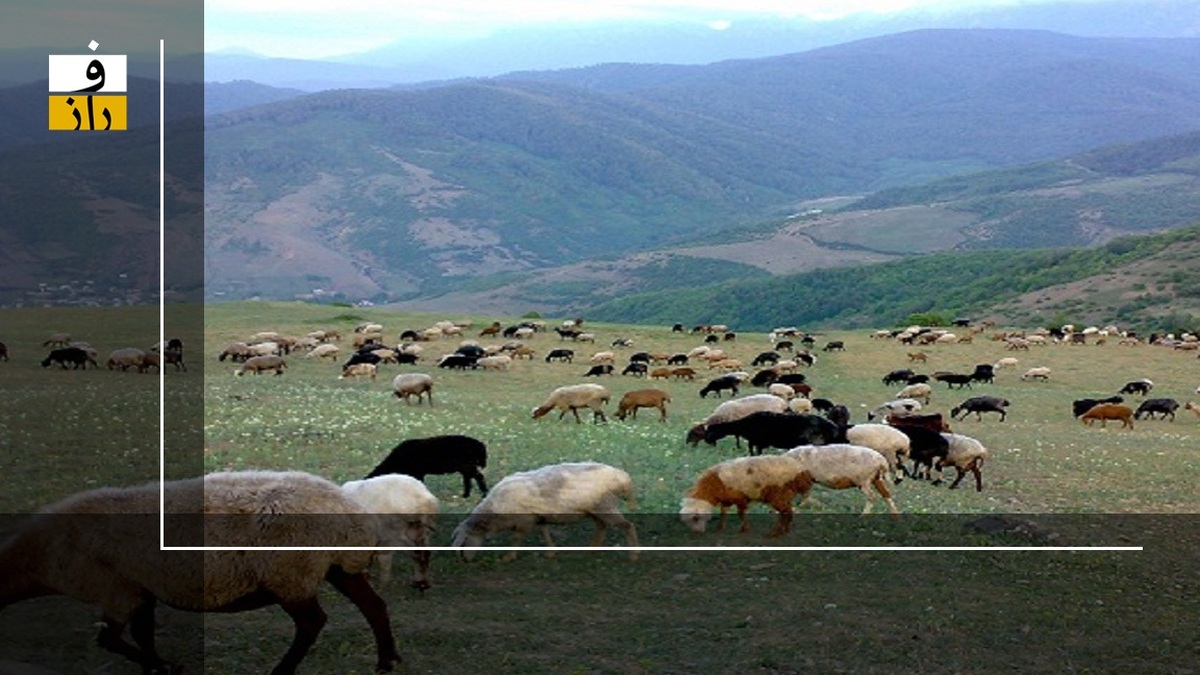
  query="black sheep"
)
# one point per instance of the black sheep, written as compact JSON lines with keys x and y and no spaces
{"x":1160,"y":406}
{"x":980,"y":405}
{"x":765,"y":358}
{"x":635,"y":368}
{"x":566,"y":355}
{"x":730,"y":382}
{"x":77,"y":357}
{"x":600,"y":369}
{"x":927,"y":448}
{"x":419,"y":457}
{"x":898,"y":376}
{"x":1085,"y":404}
{"x":765,"y":429}
{"x":458,"y":361}
{"x":764,"y":377}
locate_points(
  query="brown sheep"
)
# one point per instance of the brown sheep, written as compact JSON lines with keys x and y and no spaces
{"x":643,"y":398}
{"x":1109,"y":411}
{"x":771,"y":479}
{"x":258,"y":364}
{"x":684,"y":373}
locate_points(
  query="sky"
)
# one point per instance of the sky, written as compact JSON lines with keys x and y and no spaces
{"x":318,"y":29}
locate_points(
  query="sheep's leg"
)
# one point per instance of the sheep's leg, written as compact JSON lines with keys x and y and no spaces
{"x":309,"y":619}
{"x":373,"y":608}
{"x":781,"y":501}
{"x":547,"y":539}
{"x":141,"y":626}
{"x":741,"y":509}
{"x":385,"y":566}
{"x":882,"y":488}
{"x":721,"y":519}
{"x":575,"y":412}
{"x":662,"y":409}
{"x":601,"y":529}
{"x":466,"y":478}
{"x":420,"y":577}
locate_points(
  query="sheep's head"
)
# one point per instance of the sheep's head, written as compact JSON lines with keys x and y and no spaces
{"x":695,"y":513}
{"x":466,"y":538}
{"x":695,"y":434}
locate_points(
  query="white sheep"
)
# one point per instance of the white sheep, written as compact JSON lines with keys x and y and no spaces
{"x":497,"y":362}
{"x":965,"y":454}
{"x":324,"y":351}
{"x":885,"y":439}
{"x":736,"y":409}
{"x":407,"y":509}
{"x":783,"y":391}
{"x":1006,"y":362}
{"x":842,"y":465}
{"x":368,"y":370}
{"x":559,"y":493}
{"x":800,"y":405}
{"x":920,"y":391}
{"x":102,"y":547}
{"x":774,"y":480}
{"x":573,"y":397}
{"x":1039,"y":373}
{"x":406,"y":385}
{"x":259,"y":364}
{"x":125,"y":358}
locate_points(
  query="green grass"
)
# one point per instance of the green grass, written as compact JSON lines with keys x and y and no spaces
{"x":671,"y":612}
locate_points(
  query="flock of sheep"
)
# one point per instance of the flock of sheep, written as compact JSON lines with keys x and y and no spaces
{"x":110,"y":564}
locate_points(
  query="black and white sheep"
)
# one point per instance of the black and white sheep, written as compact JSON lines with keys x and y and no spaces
{"x":434,"y":455}
{"x":1142,"y":387}
{"x":1163,"y":407}
{"x":559,"y":493}
{"x":101,"y":547}
{"x":736,"y":409}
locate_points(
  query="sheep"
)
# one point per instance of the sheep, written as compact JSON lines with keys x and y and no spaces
{"x":643,"y":398}
{"x":951,"y":379}
{"x":888,"y":441}
{"x":458,"y":361}
{"x":124,"y":358}
{"x":900,"y":406}
{"x":783,"y":391}
{"x":898,"y":376}
{"x":369,"y":370}
{"x":1160,"y":406}
{"x":598,"y":370}
{"x":57,"y":340}
{"x":980,"y":405}
{"x":922,"y":392}
{"x":436,"y":455}
{"x":965,"y":454}
{"x":800,"y":405}
{"x":736,"y":409}
{"x":1109,"y":411}
{"x":406,"y":385}
{"x":774,"y":480}
{"x":683,"y":373}
{"x":1195,"y":408}
{"x":149,"y":360}
{"x":497,"y":362}
{"x":926,"y":447}
{"x":1039,"y":373}
{"x":660,"y":373}
{"x":258,"y":364}
{"x":842,"y":465}
{"x":565,"y":355}
{"x":1083,"y":405}
{"x":984,"y":372}
{"x":603,"y":357}
{"x":718,"y":384}
{"x":558,"y":493}
{"x":766,"y":429}
{"x":409,"y":508}
{"x":78,"y":358}
{"x":834,"y":345}
{"x":575,"y":396}
{"x":108,"y":554}
{"x":1142,"y":386}
{"x":933,"y":421}
{"x":766,"y":358}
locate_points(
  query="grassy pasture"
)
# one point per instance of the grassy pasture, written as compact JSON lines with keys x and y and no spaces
{"x":671,"y":612}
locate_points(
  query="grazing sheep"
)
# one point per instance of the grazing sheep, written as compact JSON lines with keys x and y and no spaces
{"x":951,"y":379}
{"x":1006,"y":362}
{"x":927,"y":448}
{"x":684,"y":373}
{"x":408,"y":508}
{"x":643,"y":398}
{"x":841,"y":465}
{"x":1040,"y":373}
{"x":1157,"y":406}
{"x":765,"y":358}
{"x":932,"y":421}
{"x":596,"y":371}
{"x":921,"y":392}
{"x":980,"y":405}
{"x":369,"y":370}
{"x":888,"y":441}
{"x":575,"y":396}
{"x":603,"y":357}
{"x":565,"y":355}
{"x":558,"y":493}
{"x":783,"y":391}
{"x":125,"y":358}
{"x":660,"y":373}
{"x":730,"y":382}
{"x":498,"y":362}
{"x":774,"y":480}
{"x":406,"y":385}
{"x":1142,"y":386}
{"x":1083,"y":405}
{"x":174,"y":357}
{"x":800,"y":405}
{"x":736,"y":409}
{"x":900,"y":406}
{"x":984,"y":372}
{"x":258,"y":364}
{"x":77,"y":357}
{"x":766,"y":429}
{"x":1195,"y":408}
{"x":1109,"y":411}
{"x":898,"y":376}
{"x":965,"y":454}
{"x":57,"y":340}
{"x":834,"y":346}
{"x":436,"y":455}
{"x":94,"y":547}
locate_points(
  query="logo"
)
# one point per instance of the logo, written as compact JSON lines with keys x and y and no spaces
{"x":87,"y":93}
